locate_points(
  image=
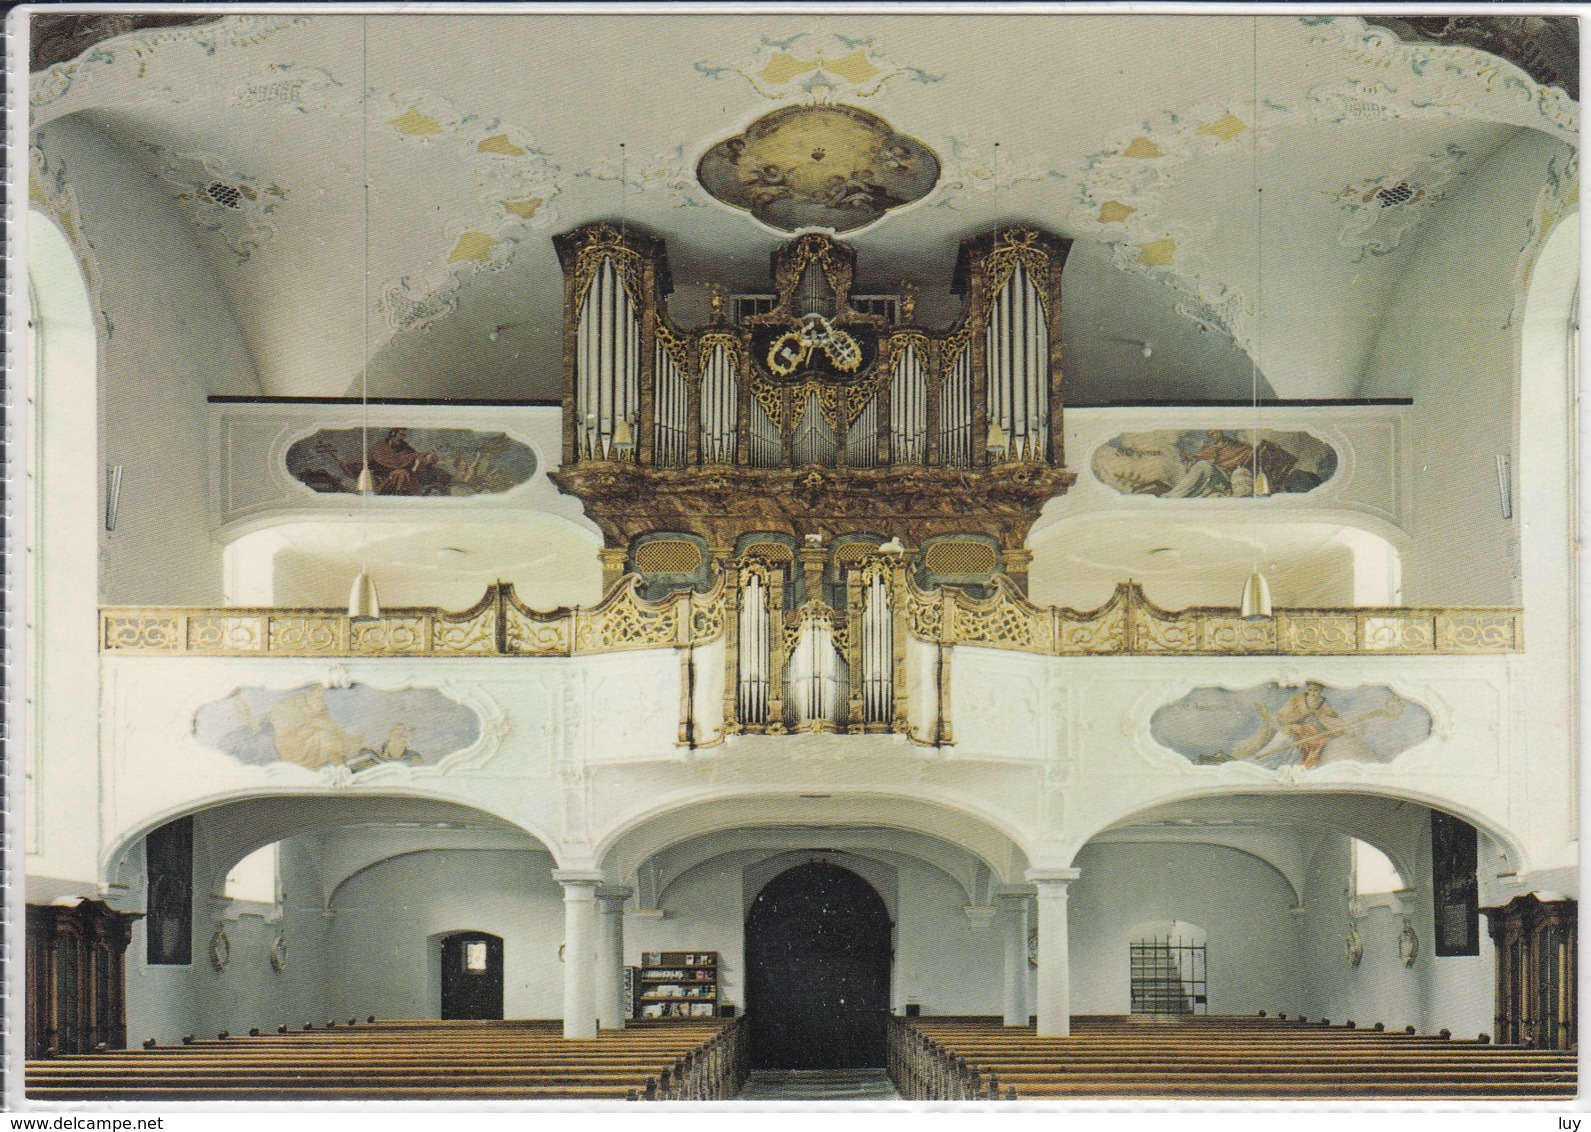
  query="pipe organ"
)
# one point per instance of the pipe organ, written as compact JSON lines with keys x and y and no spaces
{"x":834,"y":439}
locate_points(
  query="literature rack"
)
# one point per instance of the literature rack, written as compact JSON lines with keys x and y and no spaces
{"x":678,"y":984}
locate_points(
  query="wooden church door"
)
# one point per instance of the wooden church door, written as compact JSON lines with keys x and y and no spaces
{"x":818,"y":965}
{"x":472,"y":976}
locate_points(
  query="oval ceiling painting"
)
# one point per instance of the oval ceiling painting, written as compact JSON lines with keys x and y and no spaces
{"x":1213,"y":463}
{"x":1276,"y":726}
{"x":358,"y":727}
{"x":835,"y":167}
{"x":412,"y":461}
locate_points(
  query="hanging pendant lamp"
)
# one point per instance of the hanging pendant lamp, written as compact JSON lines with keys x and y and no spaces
{"x":1256,"y":605}
{"x":1256,"y":602}
{"x":362,"y":600}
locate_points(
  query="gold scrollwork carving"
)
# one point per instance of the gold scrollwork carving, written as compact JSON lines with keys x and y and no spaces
{"x":469,"y":636}
{"x":1014,"y":246}
{"x":308,"y":635}
{"x":678,"y":349}
{"x":1308,"y":633}
{"x":226,"y":634}
{"x":1478,"y":632}
{"x":391,"y":635}
{"x":606,"y":242}
{"x":142,"y":634}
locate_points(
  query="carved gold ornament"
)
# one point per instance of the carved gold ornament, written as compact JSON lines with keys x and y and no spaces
{"x":1129,"y":624}
{"x":790,"y":351}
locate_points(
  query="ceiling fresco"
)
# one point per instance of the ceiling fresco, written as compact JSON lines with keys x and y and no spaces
{"x":835,"y":167}
{"x":1147,"y":139}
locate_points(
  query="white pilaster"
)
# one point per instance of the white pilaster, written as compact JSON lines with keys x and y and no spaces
{"x":579,"y":952}
{"x":1014,"y":927}
{"x":1054,"y":1005}
{"x":612,"y":1010}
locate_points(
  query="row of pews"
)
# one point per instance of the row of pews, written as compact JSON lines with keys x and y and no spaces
{"x":1211,"y":1058}
{"x":702,"y":1059}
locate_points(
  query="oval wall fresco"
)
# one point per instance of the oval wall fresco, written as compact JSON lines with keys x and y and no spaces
{"x":1212,"y":463}
{"x":358,"y":727}
{"x":1275,"y":726}
{"x":413,"y":461}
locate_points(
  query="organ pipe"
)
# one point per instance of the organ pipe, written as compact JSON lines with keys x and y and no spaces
{"x":755,"y":653}
{"x":955,"y":413}
{"x":1016,"y":342}
{"x":908,"y":408}
{"x":670,"y":410}
{"x":608,"y":362}
{"x":720,"y":407}
{"x":878,"y":650}
{"x":818,"y":679}
{"x":861,"y":444}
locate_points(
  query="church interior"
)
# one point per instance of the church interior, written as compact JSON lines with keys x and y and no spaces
{"x":699,"y":556}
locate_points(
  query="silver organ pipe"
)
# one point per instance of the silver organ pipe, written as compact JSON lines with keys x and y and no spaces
{"x":815,"y":442}
{"x":670,"y":411}
{"x":1018,"y":350}
{"x":752,"y":694}
{"x":818,"y":680}
{"x":720,"y":407}
{"x":908,"y":408}
{"x":861,"y":442}
{"x":766,"y":443}
{"x":955,"y":413}
{"x":878,"y":652}
{"x":608,"y":355}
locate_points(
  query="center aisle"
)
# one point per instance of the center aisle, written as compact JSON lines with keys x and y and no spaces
{"x":818,"y":1085}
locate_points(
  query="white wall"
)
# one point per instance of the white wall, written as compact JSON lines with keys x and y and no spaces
{"x":167,"y":340}
{"x":1254,"y":951}
{"x":381,"y":956}
{"x":1453,"y":992}
{"x":1450,"y":341}
{"x":165,"y":1002}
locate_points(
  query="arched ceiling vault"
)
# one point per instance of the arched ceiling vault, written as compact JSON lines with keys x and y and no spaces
{"x":1144,"y":138}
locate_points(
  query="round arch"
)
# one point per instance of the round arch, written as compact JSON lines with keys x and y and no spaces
{"x":1365,"y":812}
{"x":623,"y":849}
{"x":251,"y":819}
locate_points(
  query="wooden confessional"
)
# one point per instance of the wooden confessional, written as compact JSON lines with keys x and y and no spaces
{"x":1537,"y":974}
{"x":76,"y":989}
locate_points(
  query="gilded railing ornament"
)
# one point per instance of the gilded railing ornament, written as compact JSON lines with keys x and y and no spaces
{"x":1129,"y":624}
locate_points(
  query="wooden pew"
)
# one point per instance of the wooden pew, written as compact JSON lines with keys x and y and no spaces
{"x":1210,"y":1058}
{"x":696,"y":1059}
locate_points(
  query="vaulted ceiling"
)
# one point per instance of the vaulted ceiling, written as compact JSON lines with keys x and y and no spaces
{"x":1237,"y":187}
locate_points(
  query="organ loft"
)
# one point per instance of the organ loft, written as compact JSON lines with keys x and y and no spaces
{"x":811,"y":449}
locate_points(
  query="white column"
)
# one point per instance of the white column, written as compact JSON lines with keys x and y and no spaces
{"x":1014,"y":926}
{"x":612,"y":1010}
{"x":579,"y":950}
{"x":1054,"y":1005}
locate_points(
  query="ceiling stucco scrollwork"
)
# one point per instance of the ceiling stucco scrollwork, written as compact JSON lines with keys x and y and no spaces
{"x":222,"y":199}
{"x":817,"y":65}
{"x":1381,"y":209}
{"x":230,"y":32}
{"x":515,"y":181}
{"x":1132,"y":134}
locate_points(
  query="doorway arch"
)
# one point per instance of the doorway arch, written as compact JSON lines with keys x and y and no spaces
{"x":818,"y":958}
{"x":472,"y":976}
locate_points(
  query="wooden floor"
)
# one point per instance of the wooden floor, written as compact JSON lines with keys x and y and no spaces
{"x":1211,"y":1058}
{"x":685,"y":1059}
